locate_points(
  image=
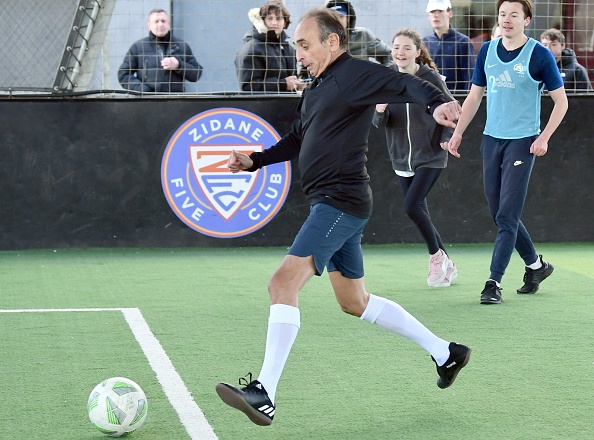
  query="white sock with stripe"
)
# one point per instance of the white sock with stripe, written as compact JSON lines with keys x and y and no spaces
{"x":391,"y":316}
{"x":283,"y":324}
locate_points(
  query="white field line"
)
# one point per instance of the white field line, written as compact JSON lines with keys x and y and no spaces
{"x":176,"y":391}
{"x":180,"y":398}
{"x":58,"y":310}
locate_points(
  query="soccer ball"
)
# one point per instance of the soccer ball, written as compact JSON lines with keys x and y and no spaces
{"x":117,"y":406}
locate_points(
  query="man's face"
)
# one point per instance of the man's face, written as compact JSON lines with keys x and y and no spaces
{"x":159,"y":24}
{"x":440,"y":19}
{"x":512,"y":19}
{"x":311,"y":52}
{"x":554,"y":46}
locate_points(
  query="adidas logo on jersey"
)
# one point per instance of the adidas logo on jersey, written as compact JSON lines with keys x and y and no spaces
{"x":503,"y":80}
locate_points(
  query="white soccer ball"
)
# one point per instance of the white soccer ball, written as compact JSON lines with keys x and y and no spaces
{"x":117,"y":406}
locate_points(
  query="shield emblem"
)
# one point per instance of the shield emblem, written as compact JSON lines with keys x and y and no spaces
{"x":225,"y":191}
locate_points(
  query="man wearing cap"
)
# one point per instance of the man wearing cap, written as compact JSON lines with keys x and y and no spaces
{"x":451,"y":50}
{"x":363,"y":43}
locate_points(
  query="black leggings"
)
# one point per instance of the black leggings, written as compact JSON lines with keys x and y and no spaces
{"x":415,"y":190}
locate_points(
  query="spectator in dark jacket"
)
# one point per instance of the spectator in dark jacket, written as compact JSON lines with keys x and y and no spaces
{"x":452,"y":51}
{"x":266,"y":62}
{"x":159,"y":62}
{"x":575,"y":76}
{"x":362,"y":42}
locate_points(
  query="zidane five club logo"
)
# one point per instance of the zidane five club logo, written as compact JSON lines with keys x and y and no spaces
{"x":202,"y":191}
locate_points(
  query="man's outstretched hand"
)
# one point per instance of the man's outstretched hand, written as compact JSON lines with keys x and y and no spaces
{"x":239,"y":162}
{"x":447,"y":113}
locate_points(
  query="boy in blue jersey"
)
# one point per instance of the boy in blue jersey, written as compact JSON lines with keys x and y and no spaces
{"x":513,"y":69}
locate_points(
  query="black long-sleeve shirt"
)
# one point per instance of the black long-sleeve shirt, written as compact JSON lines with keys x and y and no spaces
{"x":330,"y":137}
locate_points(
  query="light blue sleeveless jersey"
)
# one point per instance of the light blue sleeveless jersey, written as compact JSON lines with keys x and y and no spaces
{"x":513,"y":96}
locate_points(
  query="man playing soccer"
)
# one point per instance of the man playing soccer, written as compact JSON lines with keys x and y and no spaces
{"x":513,"y":68}
{"x":330,"y":139}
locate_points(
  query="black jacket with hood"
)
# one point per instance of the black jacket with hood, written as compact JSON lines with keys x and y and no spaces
{"x":265,"y":59}
{"x":142,"y":71}
{"x":412,"y":135}
{"x":575,"y":76}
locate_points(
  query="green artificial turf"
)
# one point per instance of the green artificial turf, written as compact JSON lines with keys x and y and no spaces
{"x":531,"y":374}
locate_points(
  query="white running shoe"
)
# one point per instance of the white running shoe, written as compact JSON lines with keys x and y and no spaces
{"x":438,"y":265}
{"x":451,"y":274}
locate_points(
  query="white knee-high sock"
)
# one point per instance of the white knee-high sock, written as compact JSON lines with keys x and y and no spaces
{"x":393,"y":317}
{"x":283,"y":324}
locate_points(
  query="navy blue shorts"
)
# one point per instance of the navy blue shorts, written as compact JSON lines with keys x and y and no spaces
{"x":333,"y":238}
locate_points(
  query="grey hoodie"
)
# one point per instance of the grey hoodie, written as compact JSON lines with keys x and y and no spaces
{"x":412,"y":134}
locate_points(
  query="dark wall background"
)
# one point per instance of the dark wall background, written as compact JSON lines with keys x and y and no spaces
{"x":86,"y":172}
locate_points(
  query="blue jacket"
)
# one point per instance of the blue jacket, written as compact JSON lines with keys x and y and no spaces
{"x":453,"y":54}
{"x":142,"y":71}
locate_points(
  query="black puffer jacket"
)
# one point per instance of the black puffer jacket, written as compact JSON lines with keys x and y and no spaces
{"x":265,"y":60}
{"x":412,"y":135}
{"x":575,"y":76}
{"x":142,"y":71}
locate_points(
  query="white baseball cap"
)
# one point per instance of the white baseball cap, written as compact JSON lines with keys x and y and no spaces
{"x":439,"y":5}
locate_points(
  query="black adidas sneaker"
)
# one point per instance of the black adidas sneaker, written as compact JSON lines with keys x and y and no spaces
{"x":459,"y":357}
{"x":252,"y":400}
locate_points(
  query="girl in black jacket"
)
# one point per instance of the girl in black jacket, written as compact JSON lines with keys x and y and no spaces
{"x":418,"y":149}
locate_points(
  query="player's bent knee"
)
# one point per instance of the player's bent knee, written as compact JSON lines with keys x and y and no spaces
{"x":351,"y":311}
{"x":282,"y":291}
{"x":354,"y":306}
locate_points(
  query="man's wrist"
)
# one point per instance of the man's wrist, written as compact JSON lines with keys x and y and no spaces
{"x":256,"y":161}
{"x":433,"y":105}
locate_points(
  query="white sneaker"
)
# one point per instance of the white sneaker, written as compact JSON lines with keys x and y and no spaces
{"x":438,"y":265}
{"x":451,"y":274}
